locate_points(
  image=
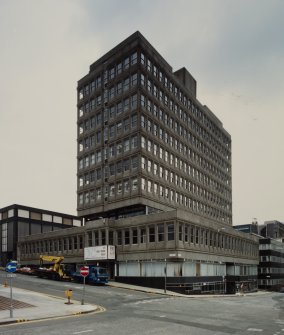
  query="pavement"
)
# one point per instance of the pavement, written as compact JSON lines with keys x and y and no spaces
{"x":30,"y":306}
{"x":175,"y":294}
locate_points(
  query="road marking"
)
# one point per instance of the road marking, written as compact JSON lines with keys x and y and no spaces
{"x":147,"y":301}
{"x":84,"y":331}
{"x":162,"y":316}
{"x":255,"y":330}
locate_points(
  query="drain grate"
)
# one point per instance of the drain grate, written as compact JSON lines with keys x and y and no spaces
{"x":5,"y":303}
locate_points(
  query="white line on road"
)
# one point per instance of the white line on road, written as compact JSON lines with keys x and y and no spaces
{"x":84,"y":331}
{"x":255,"y":330}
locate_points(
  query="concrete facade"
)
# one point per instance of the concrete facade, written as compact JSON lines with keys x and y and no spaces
{"x":192,"y":251}
{"x":145,"y":143}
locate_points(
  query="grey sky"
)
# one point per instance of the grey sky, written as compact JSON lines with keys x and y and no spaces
{"x":234,"y":49}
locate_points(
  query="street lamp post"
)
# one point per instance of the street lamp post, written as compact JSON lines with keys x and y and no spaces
{"x":165,"y":278}
{"x":266,"y":282}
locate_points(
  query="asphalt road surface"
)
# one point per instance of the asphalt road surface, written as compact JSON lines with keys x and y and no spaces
{"x":131,"y":312}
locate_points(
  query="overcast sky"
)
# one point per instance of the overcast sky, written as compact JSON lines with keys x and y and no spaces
{"x":234,"y":49}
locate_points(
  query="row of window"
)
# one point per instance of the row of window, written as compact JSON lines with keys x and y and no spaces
{"x":4,"y":240}
{"x":108,"y":133}
{"x":184,"y":119}
{"x":123,"y":105}
{"x":114,"y":150}
{"x":153,"y":233}
{"x":108,"y":75}
{"x":117,"y":169}
{"x":99,"y":194}
{"x":182,"y":97}
{"x":158,"y":191}
{"x":123,"y":65}
{"x":270,"y":270}
{"x":176,"y":198}
{"x":131,"y":143}
{"x":183,"y":165}
{"x":73,"y":243}
{"x":94,"y":85}
{"x":222,"y":157}
{"x":121,"y":87}
{"x":182,"y":183}
{"x":275,"y":259}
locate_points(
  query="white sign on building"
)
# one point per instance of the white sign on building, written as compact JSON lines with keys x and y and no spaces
{"x":102,"y":252}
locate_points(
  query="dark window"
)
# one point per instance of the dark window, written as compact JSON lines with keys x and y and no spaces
{"x":180,"y":237}
{"x":96,"y":238}
{"x":81,"y":244}
{"x":143,"y":235}
{"x":152,"y":234}
{"x":160,"y":232}
{"x":171,"y":232}
{"x":119,"y":237}
{"x":126,"y":237}
{"x":103,"y":236}
{"x":110,"y":237}
{"x":134,"y":236}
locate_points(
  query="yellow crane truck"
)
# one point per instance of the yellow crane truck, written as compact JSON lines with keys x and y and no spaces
{"x":54,"y":270}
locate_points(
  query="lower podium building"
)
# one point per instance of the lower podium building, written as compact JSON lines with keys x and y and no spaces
{"x":173,"y":250}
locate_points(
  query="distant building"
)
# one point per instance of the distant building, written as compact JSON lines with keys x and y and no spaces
{"x":247,"y":228}
{"x":273,"y":229}
{"x":271,"y":253}
{"x":17,"y":221}
{"x":271,"y":268}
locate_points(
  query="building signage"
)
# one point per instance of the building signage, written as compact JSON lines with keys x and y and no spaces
{"x":102,"y":252}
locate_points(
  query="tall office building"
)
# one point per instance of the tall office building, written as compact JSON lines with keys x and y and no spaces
{"x":145,"y":143}
{"x":154,"y":180}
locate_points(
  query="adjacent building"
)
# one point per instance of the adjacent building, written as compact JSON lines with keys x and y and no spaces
{"x":271,"y":253}
{"x":271,"y":264}
{"x":17,"y":221}
{"x":273,"y":229}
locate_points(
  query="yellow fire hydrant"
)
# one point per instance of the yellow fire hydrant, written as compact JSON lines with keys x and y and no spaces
{"x":68,"y":295}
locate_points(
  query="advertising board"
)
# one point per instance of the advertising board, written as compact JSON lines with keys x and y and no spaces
{"x":102,"y":252}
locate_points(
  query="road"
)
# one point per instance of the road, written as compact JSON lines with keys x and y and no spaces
{"x":132,"y":312}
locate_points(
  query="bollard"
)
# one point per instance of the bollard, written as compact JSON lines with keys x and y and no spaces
{"x":68,"y":295}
